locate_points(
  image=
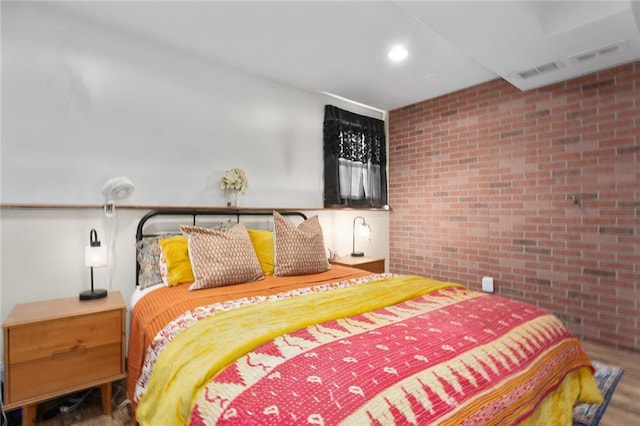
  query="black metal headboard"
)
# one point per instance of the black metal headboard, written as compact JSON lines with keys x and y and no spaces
{"x":194,"y":213}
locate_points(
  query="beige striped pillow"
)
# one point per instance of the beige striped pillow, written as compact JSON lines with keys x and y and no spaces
{"x":298,"y":250}
{"x":220,"y":258}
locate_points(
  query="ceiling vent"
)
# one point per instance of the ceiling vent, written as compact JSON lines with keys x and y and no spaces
{"x":587,"y":55}
{"x":540,"y":69}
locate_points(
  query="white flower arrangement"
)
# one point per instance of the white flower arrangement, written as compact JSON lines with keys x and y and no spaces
{"x":234,"y":180}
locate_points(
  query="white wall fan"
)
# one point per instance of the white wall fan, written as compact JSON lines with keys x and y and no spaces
{"x":116,"y":189}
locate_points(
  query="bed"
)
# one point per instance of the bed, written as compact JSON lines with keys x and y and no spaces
{"x":266,"y":331}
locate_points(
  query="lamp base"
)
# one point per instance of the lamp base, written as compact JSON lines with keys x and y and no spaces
{"x":98,"y":293}
{"x":357,"y":254}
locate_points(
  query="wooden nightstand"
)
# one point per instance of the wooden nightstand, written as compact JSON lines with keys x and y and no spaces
{"x":60,"y":346}
{"x":371,"y":264}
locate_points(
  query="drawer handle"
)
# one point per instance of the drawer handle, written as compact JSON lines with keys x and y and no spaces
{"x":66,"y":354}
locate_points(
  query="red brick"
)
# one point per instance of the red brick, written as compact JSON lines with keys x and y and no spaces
{"x":510,"y":164}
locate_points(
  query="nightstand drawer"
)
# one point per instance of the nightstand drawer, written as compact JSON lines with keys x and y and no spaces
{"x":64,"y":370}
{"x":64,"y":337}
{"x":365,"y":263}
{"x":375,"y":267}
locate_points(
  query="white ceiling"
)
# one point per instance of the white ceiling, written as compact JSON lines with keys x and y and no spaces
{"x":341,"y":47}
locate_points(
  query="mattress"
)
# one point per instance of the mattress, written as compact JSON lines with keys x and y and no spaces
{"x":349,"y":347}
{"x":159,"y":305}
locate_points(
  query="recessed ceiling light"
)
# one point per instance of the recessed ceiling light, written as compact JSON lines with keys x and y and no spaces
{"x":398,"y":53}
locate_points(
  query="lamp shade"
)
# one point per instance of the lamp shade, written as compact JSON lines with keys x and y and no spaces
{"x":365,"y":231}
{"x":95,"y":257}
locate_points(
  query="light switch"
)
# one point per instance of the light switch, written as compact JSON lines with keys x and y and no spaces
{"x":487,"y":284}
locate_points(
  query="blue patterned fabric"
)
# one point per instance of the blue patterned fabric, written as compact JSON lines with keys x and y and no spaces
{"x":607,"y":377}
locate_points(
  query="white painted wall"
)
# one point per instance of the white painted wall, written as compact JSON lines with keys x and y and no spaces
{"x":82,"y":103}
{"x":42,"y":250}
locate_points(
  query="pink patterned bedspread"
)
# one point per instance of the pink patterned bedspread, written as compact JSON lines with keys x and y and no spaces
{"x":454,"y":356}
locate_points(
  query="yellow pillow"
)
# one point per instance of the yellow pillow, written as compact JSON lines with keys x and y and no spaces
{"x":176,"y":255}
{"x":262,"y":242}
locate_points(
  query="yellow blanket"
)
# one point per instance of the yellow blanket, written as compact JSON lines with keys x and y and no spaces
{"x":201,"y":351}
{"x":577,"y":386}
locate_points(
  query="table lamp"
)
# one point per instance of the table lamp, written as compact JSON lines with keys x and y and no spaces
{"x":95,"y":257}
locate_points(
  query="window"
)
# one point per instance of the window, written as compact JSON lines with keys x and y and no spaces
{"x":355,"y":160}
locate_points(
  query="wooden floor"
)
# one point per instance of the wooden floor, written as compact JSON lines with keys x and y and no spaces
{"x":624,"y":408}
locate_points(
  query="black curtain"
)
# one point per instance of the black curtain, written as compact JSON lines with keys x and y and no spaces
{"x":355,"y":159}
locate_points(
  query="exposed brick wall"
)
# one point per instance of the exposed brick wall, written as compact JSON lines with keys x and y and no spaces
{"x":539,"y":189}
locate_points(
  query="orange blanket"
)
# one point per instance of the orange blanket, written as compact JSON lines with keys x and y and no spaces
{"x":159,"y":307}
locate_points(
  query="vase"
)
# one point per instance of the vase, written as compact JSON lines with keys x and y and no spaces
{"x":232,"y":198}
